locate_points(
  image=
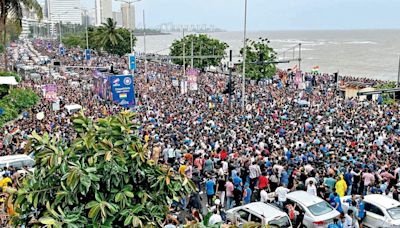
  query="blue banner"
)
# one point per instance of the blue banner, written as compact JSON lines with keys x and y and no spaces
{"x":62,"y":50}
{"x":132,"y":62}
{"x":122,"y":89}
{"x":87,"y":54}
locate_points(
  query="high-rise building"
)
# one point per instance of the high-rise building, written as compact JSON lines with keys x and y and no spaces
{"x":103,"y":11}
{"x":117,"y":16}
{"x":128,"y":16}
{"x":66,"y":11}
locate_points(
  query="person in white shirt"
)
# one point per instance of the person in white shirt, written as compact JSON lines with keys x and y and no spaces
{"x":263,"y":196}
{"x":348,"y":220}
{"x":255,"y":172}
{"x":311,"y":188}
{"x":215,"y":218}
{"x":281,"y":192}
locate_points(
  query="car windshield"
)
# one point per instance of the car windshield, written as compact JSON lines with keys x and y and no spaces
{"x":279,"y":222}
{"x":394,"y":212}
{"x":320,"y":208}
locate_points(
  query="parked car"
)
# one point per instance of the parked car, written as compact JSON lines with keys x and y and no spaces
{"x":381,"y":211}
{"x":317,"y":212}
{"x":258,"y":212}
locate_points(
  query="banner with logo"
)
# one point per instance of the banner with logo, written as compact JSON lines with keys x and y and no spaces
{"x":122,"y":89}
{"x":50,"y":92}
{"x":192,"y":79}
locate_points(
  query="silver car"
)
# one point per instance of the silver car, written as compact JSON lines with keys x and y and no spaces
{"x":261,"y":213}
{"x":381,"y":211}
{"x":317,"y":212}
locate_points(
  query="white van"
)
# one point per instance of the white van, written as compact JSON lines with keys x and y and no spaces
{"x":17,"y":161}
{"x":260,"y":213}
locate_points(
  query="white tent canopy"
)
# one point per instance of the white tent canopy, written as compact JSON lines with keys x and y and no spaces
{"x":8,"y":80}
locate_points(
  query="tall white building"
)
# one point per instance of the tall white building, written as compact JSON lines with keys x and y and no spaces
{"x":64,"y":11}
{"x":128,"y":16}
{"x":103,"y":11}
{"x":117,"y":16}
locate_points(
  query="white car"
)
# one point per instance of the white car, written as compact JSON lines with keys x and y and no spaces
{"x":261,"y":213}
{"x":317,"y":212}
{"x":381,"y":211}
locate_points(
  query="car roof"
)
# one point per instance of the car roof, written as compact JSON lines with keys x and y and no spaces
{"x":382,"y":201}
{"x":264,"y":209}
{"x":17,"y":157}
{"x":304,"y":198}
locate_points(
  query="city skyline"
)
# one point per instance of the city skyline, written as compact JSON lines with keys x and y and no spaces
{"x":263,"y":15}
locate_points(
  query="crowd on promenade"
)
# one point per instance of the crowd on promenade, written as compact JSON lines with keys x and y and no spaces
{"x":328,"y":146}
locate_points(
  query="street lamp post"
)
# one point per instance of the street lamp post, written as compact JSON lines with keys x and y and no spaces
{"x":244,"y":55}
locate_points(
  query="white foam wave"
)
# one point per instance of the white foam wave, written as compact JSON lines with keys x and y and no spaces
{"x":361,"y":42}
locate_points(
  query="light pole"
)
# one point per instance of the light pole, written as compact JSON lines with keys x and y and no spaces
{"x":130,"y":2}
{"x":244,"y":55}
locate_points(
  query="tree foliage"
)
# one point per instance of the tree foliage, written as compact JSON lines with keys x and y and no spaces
{"x":102,"y":179}
{"x":255,"y":49}
{"x":112,"y":39}
{"x":106,"y":37}
{"x":15,"y":102}
{"x":387,"y":98}
{"x":202,"y":45}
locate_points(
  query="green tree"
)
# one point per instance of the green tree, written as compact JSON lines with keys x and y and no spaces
{"x":202,"y":45}
{"x":13,"y":9}
{"x":102,"y":179}
{"x":111,"y":39}
{"x":15,"y":102}
{"x":255,"y":49}
{"x":387,"y":98}
{"x":73,"y":40}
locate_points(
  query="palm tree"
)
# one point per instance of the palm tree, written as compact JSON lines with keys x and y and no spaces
{"x":107,"y":35}
{"x":13,"y":9}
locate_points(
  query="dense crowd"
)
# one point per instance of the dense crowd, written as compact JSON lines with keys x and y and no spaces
{"x":284,"y":139}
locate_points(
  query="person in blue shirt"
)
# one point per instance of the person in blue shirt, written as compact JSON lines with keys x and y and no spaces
{"x":361,"y":210}
{"x":336,"y":224}
{"x":348,"y":177}
{"x":237,"y":190}
{"x":246,"y":194}
{"x":338,"y":204}
{"x":210,"y":190}
{"x":288,"y":154}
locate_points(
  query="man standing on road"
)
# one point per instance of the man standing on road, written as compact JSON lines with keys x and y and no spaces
{"x":210,"y":190}
{"x":255,"y":172}
{"x":229,"y":193}
{"x":237,"y":191}
{"x":281,"y":192}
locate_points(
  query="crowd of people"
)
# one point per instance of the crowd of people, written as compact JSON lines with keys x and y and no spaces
{"x":327,"y":146}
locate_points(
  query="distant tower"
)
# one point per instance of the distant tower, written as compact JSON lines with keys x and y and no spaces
{"x":103,"y":11}
{"x":128,"y":16}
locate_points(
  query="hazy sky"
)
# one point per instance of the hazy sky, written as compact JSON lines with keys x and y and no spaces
{"x":270,"y":14}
